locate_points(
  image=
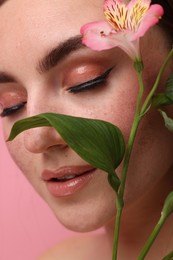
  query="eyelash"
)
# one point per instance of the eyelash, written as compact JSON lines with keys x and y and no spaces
{"x":91,"y":84}
{"x":11,"y":110}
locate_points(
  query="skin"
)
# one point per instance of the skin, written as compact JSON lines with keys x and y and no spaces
{"x":33,"y":30}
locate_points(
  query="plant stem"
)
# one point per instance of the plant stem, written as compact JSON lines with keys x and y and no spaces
{"x":162,"y":219}
{"x":133,"y":132}
{"x":116,"y":234}
{"x":120,"y":195}
{"x":162,"y":69}
{"x":138,"y":116}
{"x":152,"y":238}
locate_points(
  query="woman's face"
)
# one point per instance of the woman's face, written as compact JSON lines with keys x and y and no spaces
{"x":35,"y":79}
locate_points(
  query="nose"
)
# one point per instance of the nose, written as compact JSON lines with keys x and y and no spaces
{"x":41,"y":139}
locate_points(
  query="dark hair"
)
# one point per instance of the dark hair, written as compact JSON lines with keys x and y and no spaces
{"x":167,"y":20}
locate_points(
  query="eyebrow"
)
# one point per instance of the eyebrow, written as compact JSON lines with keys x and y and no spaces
{"x":2,"y":2}
{"x":58,"y":53}
{"x":6,"y":78}
{"x":51,"y":59}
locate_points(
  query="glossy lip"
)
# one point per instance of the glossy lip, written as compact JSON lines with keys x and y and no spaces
{"x":47,"y":175}
{"x":83,"y":174}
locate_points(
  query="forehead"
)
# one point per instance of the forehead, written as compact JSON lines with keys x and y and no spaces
{"x":27,"y":18}
{"x":67,"y":6}
{"x":28,"y":15}
{"x":31,"y":27}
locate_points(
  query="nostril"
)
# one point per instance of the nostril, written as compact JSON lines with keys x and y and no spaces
{"x":59,"y":146}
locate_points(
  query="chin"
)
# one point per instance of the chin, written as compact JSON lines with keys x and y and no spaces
{"x":84,"y":220}
{"x":87,"y":209}
{"x":81,"y":227}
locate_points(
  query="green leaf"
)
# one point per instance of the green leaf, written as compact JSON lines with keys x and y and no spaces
{"x":161,"y":100}
{"x":112,"y":179}
{"x":165,"y":98}
{"x":169,"y":256}
{"x":168,"y":121}
{"x":99,"y":143}
{"x":169,"y":88}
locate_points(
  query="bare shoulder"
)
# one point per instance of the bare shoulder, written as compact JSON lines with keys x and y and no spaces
{"x":82,"y":247}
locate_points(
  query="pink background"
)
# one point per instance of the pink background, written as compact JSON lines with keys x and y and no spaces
{"x":27,"y":226}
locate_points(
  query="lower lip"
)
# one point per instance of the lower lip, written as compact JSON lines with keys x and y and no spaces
{"x":63,"y":189}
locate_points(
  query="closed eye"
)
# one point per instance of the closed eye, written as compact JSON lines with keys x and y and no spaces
{"x":11,"y":110}
{"x":90,"y":84}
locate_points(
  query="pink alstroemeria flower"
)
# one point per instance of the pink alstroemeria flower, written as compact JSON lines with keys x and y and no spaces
{"x":125,"y":24}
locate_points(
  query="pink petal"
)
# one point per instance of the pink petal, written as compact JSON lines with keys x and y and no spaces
{"x":108,"y":4}
{"x":93,"y":38}
{"x":97,"y":27}
{"x":98,"y":43}
{"x":134,"y":2}
{"x":123,"y":41}
{"x":151,"y":18}
{"x":100,"y":35}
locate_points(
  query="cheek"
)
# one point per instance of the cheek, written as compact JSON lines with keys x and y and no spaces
{"x":16,"y":151}
{"x":21,"y":157}
{"x":118,"y":107}
{"x":15,"y":147}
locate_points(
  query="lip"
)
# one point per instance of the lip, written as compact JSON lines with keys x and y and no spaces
{"x":83,"y":174}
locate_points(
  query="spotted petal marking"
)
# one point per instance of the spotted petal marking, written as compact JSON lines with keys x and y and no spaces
{"x":125,"y":17}
{"x":116,"y":14}
{"x":137,"y":13}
